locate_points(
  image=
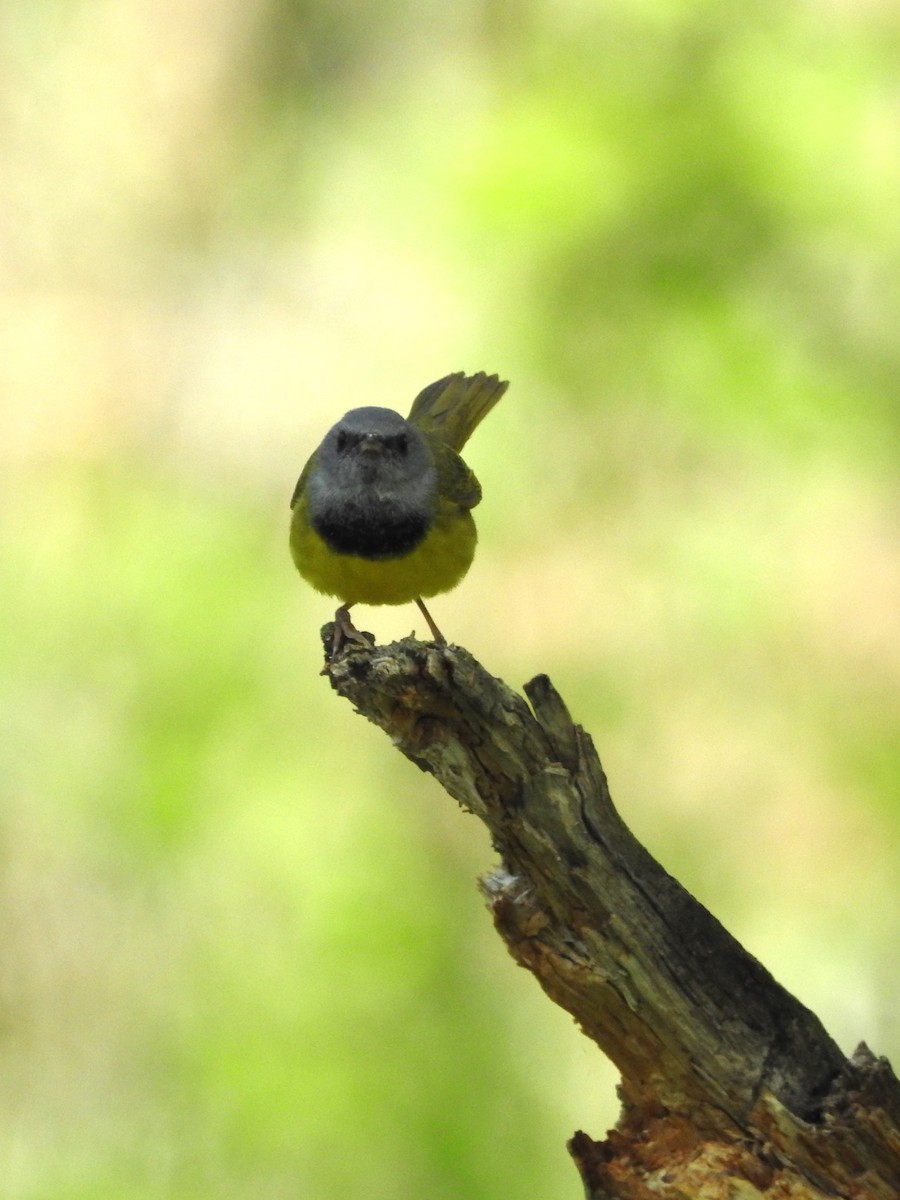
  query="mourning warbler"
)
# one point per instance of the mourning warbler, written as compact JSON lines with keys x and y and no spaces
{"x":382,"y":513}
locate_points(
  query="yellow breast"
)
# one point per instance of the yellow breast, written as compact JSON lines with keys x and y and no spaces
{"x":436,"y":565}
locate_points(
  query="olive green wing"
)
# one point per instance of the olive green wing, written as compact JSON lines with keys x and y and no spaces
{"x":451,"y":408}
{"x":457,"y":485}
{"x":301,"y":482}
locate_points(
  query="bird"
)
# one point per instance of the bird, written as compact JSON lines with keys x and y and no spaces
{"x":382,"y":511}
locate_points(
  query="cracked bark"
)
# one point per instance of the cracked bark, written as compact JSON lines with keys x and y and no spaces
{"x":730,"y":1087}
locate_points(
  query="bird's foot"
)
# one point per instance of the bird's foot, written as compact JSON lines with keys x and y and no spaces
{"x":343,"y":631}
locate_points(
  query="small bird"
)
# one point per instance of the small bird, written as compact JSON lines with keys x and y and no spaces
{"x":382,"y":512}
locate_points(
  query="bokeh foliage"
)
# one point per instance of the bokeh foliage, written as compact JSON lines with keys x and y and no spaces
{"x":243,"y":951}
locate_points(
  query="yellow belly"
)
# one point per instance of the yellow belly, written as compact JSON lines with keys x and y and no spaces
{"x":436,"y":565}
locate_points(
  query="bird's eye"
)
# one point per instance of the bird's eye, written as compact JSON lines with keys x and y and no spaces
{"x":341,"y":440}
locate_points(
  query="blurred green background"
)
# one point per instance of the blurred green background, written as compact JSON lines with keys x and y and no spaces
{"x":243,"y":950}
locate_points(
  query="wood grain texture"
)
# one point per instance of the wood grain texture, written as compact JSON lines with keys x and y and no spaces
{"x":730,"y":1087}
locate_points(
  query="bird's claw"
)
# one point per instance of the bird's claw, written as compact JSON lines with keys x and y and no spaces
{"x":344,"y":631}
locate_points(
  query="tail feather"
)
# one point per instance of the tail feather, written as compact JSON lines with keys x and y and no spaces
{"x":454,"y":406}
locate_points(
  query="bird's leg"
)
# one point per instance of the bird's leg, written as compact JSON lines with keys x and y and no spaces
{"x":346,"y":631}
{"x":435,"y":632}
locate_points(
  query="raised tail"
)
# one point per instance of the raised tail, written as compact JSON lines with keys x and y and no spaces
{"x":454,"y":406}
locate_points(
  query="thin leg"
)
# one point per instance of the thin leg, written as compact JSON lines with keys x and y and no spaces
{"x":346,"y":631}
{"x":435,"y":632}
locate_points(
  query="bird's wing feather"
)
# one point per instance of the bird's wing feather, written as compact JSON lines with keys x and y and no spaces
{"x":301,"y":482}
{"x":459,"y":487}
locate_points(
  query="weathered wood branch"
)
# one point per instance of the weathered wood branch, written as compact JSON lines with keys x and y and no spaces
{"x":730,"y":1086}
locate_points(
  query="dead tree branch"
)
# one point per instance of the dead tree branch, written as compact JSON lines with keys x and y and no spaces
{"x":730,"y":1086}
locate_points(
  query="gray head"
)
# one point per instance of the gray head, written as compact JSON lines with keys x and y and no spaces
{"x":372,"y":491}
